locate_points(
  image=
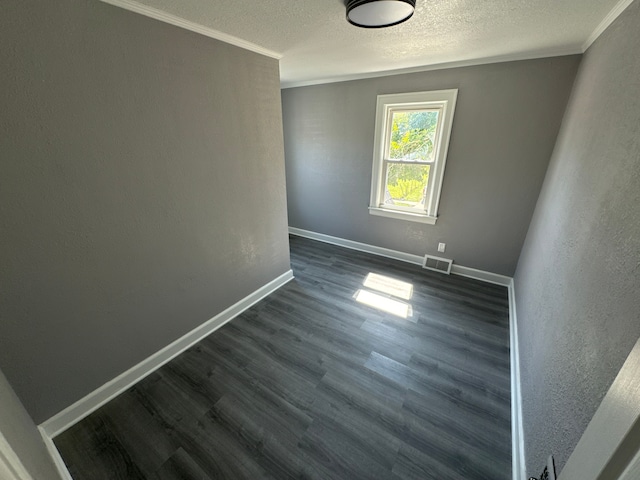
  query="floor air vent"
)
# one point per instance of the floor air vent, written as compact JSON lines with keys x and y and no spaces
{"x":437,"y":264}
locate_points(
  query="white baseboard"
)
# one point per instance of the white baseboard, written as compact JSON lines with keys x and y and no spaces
{"x":517,"y":431}
{"x":460,"y":270}
{"x":483,"y":275}
{"x":361,"y":247}
{"x":517,"y":436}
{"x":88,"y":404}
{"x":55,"y":455}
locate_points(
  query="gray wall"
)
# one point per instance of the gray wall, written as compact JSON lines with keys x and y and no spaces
{"x":578,"y":279}
{"x":142,"y":190}
{"x":19,"y":430}
{"x":505,"y":126}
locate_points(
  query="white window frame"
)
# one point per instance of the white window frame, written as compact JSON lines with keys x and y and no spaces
{"x":443,"y":100}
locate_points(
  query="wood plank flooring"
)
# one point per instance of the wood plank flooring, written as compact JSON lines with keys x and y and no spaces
{"x":309,"y":383}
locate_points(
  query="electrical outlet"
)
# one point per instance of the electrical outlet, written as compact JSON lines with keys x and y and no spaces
{"x":441,"y":247}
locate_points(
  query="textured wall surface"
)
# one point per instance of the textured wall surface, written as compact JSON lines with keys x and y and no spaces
{"x":506,"y":123}
{"x":142,"y":190}
{"x":17,"y":427}
{"x":578,"y":279}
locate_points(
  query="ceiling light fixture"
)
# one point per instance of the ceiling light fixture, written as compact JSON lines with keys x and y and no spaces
{"x":379,"y":13}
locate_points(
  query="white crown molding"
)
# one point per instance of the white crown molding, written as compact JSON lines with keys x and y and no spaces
{"x":620,"y":7}
{"x":162,"y":16}
{"x":460,"y":270}
{"x":513,"y":57}
{"x":94,"y":400}
{"x":617,"y":10}
{"x":517,"y":429}
{"x":191,"y":26}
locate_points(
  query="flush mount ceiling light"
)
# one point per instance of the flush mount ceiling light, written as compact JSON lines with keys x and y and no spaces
{"x":379,"y":13}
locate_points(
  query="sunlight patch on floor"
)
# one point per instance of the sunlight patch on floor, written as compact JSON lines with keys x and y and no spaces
{"x":389,"y":285}
{"x":385,"y":301}
{"x":386,"y":304}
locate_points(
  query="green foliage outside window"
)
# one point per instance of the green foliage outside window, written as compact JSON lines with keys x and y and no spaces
{"x":413,"y":134}
{"x":409,"y":183}
{"x":412,"y":139}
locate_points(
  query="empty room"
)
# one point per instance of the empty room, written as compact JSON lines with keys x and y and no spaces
{"x":353,"y":239}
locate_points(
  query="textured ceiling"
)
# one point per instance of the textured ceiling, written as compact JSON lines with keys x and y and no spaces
{"x":317,"y":43}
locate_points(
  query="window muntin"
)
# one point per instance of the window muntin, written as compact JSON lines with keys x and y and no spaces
{"x":409,"y":154}
{"x":412,"y":137}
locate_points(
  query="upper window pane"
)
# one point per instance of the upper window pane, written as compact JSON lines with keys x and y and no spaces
{"x":413,"y":135}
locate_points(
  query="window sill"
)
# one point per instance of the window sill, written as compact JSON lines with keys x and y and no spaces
{"x":411,"y":217}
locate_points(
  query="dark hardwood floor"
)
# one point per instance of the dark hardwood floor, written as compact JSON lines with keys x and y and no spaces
{"x":309,"y":383}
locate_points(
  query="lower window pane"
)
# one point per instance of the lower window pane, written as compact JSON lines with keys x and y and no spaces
{"x":406,"y":185}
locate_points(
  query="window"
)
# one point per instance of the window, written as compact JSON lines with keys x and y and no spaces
{"x":411,"y":143}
